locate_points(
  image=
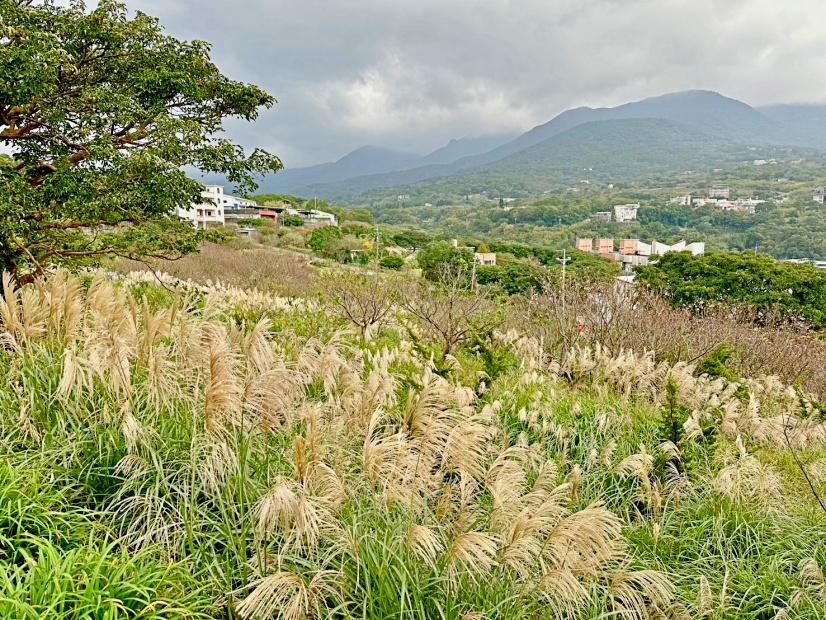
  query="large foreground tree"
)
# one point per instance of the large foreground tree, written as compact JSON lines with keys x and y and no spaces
{"x":99,"y":115}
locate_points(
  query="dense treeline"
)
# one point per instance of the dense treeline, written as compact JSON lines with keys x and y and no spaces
{"x":772,"y":287}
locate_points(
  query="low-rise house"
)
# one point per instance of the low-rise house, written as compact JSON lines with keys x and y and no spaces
{"x":234,"y":202}
{"x":701,"y":201}
{"x":602,"y":216}
{"x":684,"y":201}
{"x":314,"y":216}
{"x":484,"y":258}
{"x":819,"y":195}
{"x":626,"y":213}
{"x":395,"y":250}
{"x":743,"y":205}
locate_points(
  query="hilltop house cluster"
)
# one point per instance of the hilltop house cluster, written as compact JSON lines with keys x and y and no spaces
{"x":217,"y":208}
{"x":633,"y":252}
{"x":719,"y":196}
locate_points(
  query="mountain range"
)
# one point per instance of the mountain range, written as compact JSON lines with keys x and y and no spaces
{"x":683,"y":130}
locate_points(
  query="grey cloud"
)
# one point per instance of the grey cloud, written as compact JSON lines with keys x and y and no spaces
{"x":410,"y":74}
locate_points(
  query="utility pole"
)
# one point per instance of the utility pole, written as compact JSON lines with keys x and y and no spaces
{"x":564,"y":262}
{"x":378,"y":255}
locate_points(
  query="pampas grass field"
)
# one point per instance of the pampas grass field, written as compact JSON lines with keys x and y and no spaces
{"x":173,"y":449}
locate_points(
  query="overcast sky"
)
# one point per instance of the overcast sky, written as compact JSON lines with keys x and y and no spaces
{"x":411,"y":74}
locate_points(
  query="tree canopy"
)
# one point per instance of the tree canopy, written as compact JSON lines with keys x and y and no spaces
{"x":786,"y":289}
{"x":440,"y":256}
{"x":101,"y":113}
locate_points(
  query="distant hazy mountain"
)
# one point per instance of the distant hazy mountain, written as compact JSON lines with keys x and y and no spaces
{"x":362,"y":161}
{"x":369,"y":160}
{"x":705,"y":111}
{"x":722,"y":119}
{"x":803,"y":124}
{"x":463,"y":147}
{"x":598,"y":151}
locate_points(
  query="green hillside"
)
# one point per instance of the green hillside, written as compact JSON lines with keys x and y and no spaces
{"x":600,"y":152}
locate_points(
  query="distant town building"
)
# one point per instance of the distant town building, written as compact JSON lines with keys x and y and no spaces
{"x":626,"y":213}
{"x":602,"y":216}
{"x":630,"y":246}
{"x":605,"y":246}
{"x":484,"y":258}
{"x":699,"y":201}
{"x":819,"y":264}
{"x":719,"y":191}
{"x":585,"y":245}
{"x":819,"y":195}
{"x":684,"y":201}
{"x":743,"y":205}
{"x":633,"y":252}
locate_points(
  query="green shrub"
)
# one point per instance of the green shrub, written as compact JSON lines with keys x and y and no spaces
{"x":322,"y":239}
{"x":440,"y":258}
{"x":292,"y":220}
{"x":392,"y":262}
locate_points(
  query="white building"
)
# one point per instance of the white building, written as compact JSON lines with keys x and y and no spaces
{"x":635,"y":253}
{"x":819,"y":195}
{"x":698,"y":248}
{"x":212,"y":208}
{"x":234,"y":202}
{"x":314,"y":216}
{"x":209,"y":211}
{"x":626,"y":213}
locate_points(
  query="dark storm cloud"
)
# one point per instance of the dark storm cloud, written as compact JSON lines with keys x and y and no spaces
{"x":409,"y":74}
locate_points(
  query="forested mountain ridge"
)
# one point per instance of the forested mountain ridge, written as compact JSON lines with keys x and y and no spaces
{"x":597,"y":151}
{"x":718,"y":117}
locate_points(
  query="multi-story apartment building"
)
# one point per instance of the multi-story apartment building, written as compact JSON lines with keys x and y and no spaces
{"x":210,"y":211}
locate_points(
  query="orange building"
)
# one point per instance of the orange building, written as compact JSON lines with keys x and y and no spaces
{"x":605,"y":246}
{"x":628,"y":246}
